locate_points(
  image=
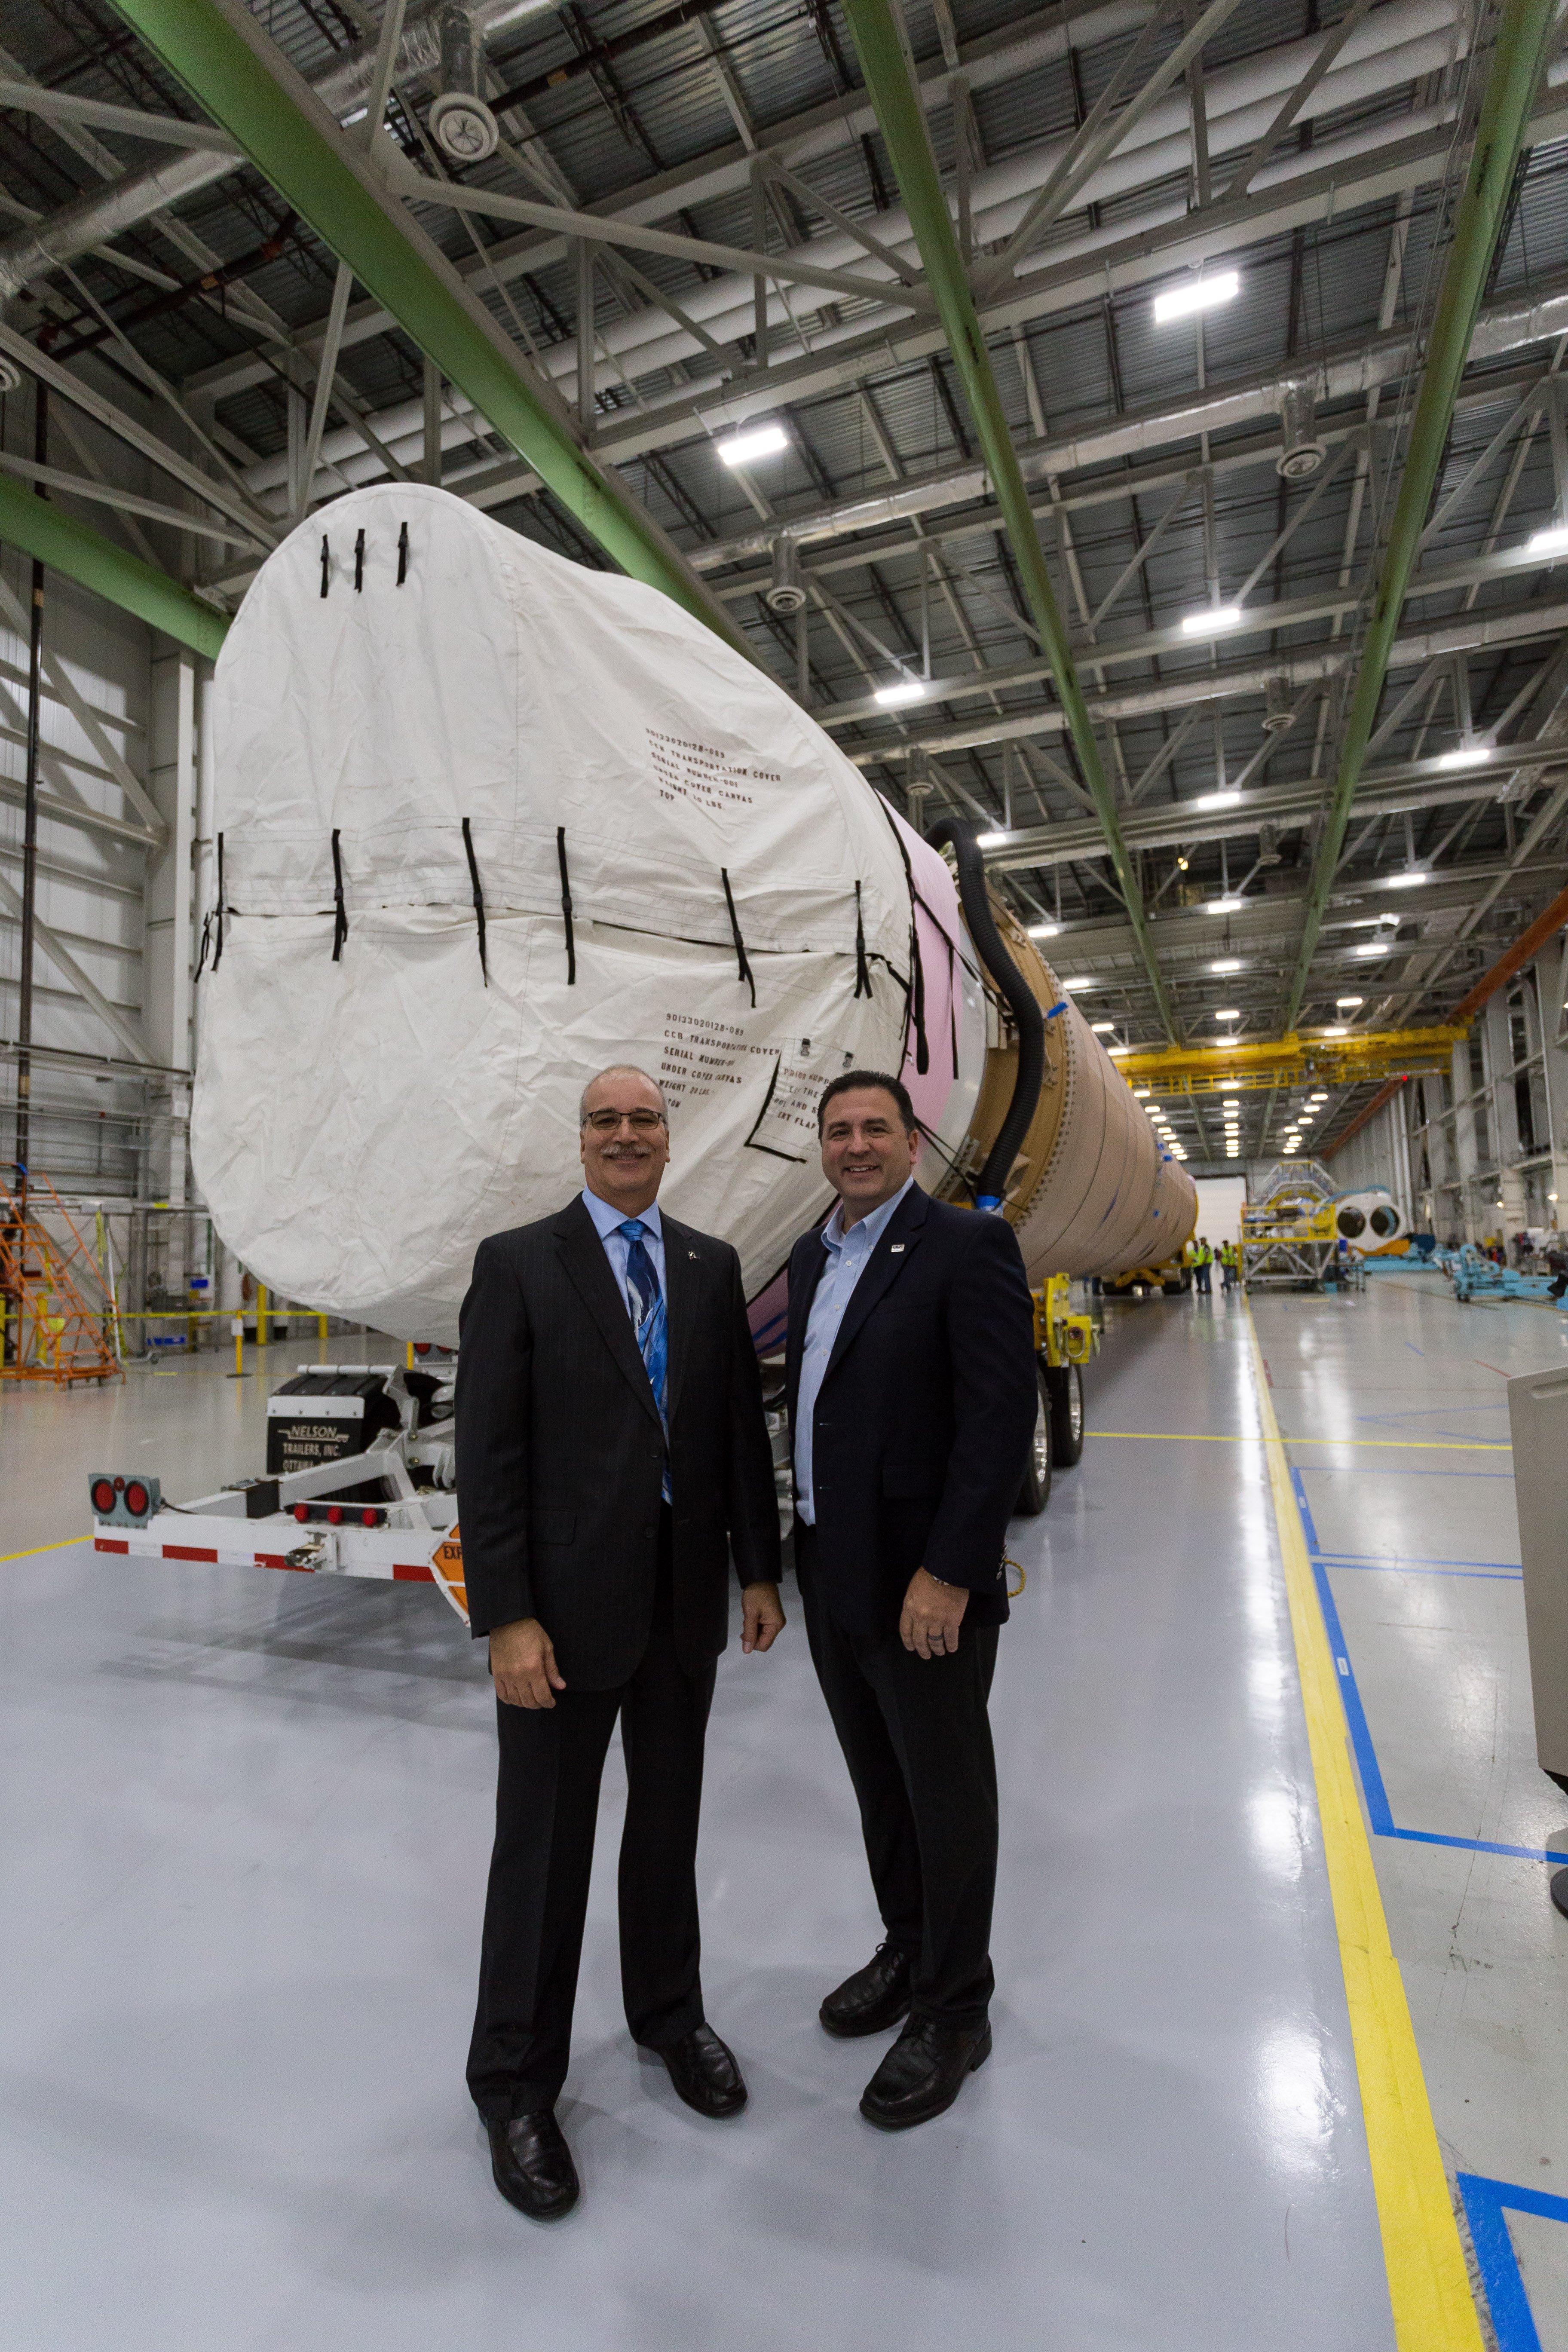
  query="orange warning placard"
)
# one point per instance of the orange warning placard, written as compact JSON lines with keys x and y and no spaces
{"x":447,"y":1567}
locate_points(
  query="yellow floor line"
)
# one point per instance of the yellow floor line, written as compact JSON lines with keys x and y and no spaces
{"x":34,"y":1549}
{"x":1240,"y":1437}
{"x":1427,"y":2285}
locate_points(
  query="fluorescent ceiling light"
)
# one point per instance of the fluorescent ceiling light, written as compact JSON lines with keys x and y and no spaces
{"x":1405,"y":881}
{"x":1119,"y":1049}
{"x":1081,"y":980}
{"x":1225,"y":963}
{"x":1103,"y":1028}
{"x":1372,"y":948}
{"x":1043,"y":931}
{"x":1212,"y":799}
{"x":1350,"y":1004}
{"x":906,"y":690}
{"x":1140,"y":1090}
{"x":761,"y":441}
{"x":1207,"y":624}
{"x":1228,"y":1012}
{"x":1473,"y":755}
{"x":993,"y":840}
{"x":1197,"y":294}
{"x":1336,"y":1033}
{"x":361,"y":111}
{"x":1226,"y":905}
{"x":1554,"y":540}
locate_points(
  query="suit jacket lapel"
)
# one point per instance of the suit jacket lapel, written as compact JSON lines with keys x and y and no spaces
{"x":582,"y":1255}
{"x":802,"y":1291}
{"x":683,"y":1285}
{"x":885,"y":1266}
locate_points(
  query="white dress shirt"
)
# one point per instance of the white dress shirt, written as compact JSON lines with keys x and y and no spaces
{"x":849,"y":1255}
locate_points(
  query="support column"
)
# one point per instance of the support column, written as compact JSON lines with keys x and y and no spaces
{"x":1498,"y":1046}
{"x":1552,"y":966}
{"x":1465,"y":1141}
{"x":1441,"y":1206}
{"x":167,"y":935}
{"x":1400,"y":1184}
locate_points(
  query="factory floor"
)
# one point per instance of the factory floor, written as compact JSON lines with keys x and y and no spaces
{"x":242,"y":1858}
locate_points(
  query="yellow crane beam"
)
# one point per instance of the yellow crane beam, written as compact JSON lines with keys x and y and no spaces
{"x":1296,"y":1059}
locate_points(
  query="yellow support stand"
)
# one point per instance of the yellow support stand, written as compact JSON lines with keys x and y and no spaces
{"x":261,"y":1316}
{"x":1060,"y":1336}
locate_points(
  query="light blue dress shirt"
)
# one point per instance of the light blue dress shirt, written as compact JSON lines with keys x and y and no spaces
{"x":849,"y":1255}
{"x":607,"y":1217}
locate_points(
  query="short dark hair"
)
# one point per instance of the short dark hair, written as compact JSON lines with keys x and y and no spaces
{"x":852,"y":1080}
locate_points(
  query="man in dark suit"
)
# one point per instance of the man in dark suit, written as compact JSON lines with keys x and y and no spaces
{"x":912,"y":1397}
{"x":611,"y":1457}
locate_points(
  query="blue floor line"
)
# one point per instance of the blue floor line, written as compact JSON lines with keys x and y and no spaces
{"x":1379,"y":1813}
{"x":1415,"y":1559}
{"x":1391,"y":1470}
{"x":1422,"y":1568}
{"x":1486,"y":2202}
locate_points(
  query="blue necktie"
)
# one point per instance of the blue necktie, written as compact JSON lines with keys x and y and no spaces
{"x":649,"y":1320}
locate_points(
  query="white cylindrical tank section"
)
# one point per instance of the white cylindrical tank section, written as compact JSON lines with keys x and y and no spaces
{"x":489,"y":821}
{"x":1370,"y":1220}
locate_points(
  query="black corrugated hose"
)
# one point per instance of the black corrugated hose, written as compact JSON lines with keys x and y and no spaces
{"x":1022,"y":1003}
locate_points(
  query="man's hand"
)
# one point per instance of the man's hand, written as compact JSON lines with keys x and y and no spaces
{"x":762,"y":1617}
{"x":931,"y":1616}
{"x":522,"y":1663}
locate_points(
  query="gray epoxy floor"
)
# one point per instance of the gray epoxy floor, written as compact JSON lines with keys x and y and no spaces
{"x":1423,"y":1546}
{"x":243,"y":1854}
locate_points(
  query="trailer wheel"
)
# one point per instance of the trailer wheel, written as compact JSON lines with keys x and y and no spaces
{"x":1035,"y":1492}
{"x":1064,"y":1384}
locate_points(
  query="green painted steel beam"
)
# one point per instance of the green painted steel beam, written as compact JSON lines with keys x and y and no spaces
{"x":83,"y":554}
{"x":242,"y":79}
{"x":901,"y":119}
{"x":1524,"y":39}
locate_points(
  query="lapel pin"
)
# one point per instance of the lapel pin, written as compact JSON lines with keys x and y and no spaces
{"x":691,"y":1254}
{"x":894,"y":1248}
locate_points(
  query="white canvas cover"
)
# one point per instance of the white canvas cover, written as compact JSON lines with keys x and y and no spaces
{"x":362,"y":1120}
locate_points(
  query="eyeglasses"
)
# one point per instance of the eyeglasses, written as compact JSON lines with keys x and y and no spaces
{"x":605,"y":1122}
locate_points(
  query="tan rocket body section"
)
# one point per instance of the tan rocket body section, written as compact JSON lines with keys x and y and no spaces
{"x":1092,"y":1190}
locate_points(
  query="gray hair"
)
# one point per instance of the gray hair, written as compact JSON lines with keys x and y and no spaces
{"x":621,"y":1070}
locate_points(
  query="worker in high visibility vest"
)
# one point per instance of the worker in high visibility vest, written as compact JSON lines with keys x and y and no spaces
{"x":1203,"y":1260}
{"x":1230,"y":1262}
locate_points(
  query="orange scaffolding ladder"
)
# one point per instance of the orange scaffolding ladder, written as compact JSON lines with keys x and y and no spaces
{"x":56,"y":1310}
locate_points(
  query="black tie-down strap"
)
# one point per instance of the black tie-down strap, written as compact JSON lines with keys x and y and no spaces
{"x":359,"y":563}
{"x":212,"y":928}
{"x":862,"y":968}
{"x":340,"y":920}
{"x":478,"y":899}
{"x":917,"y":996}
{"x":566,"y":907}
{"x":326,"y":562}
{"x":402,"y":553}
{"x":746,"y":968}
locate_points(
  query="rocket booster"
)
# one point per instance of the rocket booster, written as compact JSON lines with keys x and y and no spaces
{"x":487,"y":822}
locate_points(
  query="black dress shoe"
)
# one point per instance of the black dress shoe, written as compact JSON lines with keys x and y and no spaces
{"x":705,"y":2074}
{"x":923,"y":2073}
{"x":871,"y":2000}
{"x":532,"y":2166}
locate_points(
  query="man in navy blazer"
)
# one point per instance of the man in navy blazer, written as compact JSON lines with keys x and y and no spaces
{"x":912,"y":1398}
